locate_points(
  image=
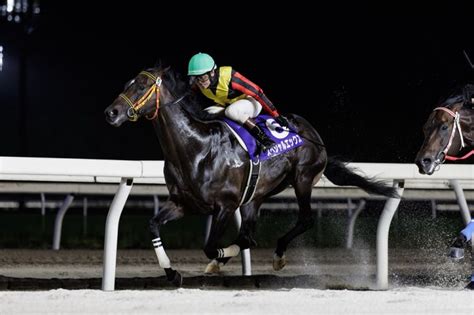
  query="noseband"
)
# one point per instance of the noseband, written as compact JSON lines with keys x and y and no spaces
{"x":456,"y":126}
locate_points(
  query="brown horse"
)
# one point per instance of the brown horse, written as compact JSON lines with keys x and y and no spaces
{"x":206,"y":170}
{"x":448,"y":132}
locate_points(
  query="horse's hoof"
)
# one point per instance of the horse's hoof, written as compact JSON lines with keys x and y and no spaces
{"x":459,"y":241}
{"x":174,"y":277}
{"x":470,"y":286}
{"x":456,"y":251}
{"x":177,"y":281}
{"x":213,"y":267}
{"x":456,"y":254}
{"x":279,"y":262}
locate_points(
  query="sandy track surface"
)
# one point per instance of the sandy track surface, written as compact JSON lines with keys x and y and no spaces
{"x":324,"y":268}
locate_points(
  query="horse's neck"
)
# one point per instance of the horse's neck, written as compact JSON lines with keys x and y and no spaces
{"x":467,"y":115}
{"x":467,"y":123}
{"x":181,"y":136}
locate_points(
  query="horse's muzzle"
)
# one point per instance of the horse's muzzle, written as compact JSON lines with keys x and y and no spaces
{"x":426,"y":165}
{"x":112,"y":117}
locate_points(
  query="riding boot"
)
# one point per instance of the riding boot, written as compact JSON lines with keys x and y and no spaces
{"x":263,"y":140}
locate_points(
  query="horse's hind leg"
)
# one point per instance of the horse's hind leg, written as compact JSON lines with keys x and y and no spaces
{"x":249,"y":214}
{"x":244,"y":240}
{"x":168,"y":212}
{"x":303,"y":188}
{"x":217,"y":255}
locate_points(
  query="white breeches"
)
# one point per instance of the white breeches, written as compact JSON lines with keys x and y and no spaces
{"x":243,"y":109}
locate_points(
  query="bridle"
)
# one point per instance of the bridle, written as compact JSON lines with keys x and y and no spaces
{"x":132,"y":112}
{"x":442,"y":156}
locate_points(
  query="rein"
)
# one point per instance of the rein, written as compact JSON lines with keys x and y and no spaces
{"x":456,"y":126}
{"x":135,"y":107}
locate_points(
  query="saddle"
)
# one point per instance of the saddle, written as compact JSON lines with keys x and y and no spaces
{"x":285,"y":139}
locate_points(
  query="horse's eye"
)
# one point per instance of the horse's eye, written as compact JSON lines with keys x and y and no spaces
{"x":444,"y":127}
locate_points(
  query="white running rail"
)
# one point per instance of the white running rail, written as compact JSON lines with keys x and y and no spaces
{"x":74,"y":176}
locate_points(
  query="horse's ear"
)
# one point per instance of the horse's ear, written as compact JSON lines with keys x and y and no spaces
{"x":158,"y":64}
{"x":468,"y":59}
{"x":162,"y":65}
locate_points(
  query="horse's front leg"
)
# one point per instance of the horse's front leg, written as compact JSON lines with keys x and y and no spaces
{"x":249,"y":214}
{"x":168,"y":212}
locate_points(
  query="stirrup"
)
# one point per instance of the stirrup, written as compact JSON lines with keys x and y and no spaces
{"x":263,"y":141}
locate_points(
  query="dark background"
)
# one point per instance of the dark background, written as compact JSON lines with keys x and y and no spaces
{"x":366,"y":76}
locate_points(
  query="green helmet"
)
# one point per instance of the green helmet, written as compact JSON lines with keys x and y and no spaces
{"x":200,"y":63}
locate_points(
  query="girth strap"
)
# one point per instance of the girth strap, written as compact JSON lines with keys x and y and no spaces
{"x":252,"y":180}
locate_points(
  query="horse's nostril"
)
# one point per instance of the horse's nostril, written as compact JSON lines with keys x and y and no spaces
{"x":426,"y":161}
{"x":112,"y":113}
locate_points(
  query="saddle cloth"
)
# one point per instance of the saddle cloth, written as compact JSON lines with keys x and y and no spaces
{"x":284,"y":138}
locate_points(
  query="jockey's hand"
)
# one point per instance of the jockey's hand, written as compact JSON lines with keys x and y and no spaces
{"x":282,"y":121}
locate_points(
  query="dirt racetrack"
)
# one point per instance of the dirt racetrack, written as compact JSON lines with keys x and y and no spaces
{"x":307,"y":268}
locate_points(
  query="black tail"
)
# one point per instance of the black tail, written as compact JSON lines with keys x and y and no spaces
{"x":339,"y":174}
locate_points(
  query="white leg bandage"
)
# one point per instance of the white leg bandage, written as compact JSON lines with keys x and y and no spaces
{"x":231,"y":251}
{"x":163,"y":259}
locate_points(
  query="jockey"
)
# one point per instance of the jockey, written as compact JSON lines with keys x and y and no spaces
{"x":241,"y":99}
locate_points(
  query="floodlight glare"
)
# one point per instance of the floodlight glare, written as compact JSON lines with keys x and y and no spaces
{"x":10,"y":5}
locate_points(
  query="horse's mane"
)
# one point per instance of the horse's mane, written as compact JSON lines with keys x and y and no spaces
{"x":460,"y":94}
{"x":172,"y":80}
{"x":193,"y":102}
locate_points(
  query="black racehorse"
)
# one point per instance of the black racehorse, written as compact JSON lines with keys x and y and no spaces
{"x":206,"y":169}
{"x":448,"y":132}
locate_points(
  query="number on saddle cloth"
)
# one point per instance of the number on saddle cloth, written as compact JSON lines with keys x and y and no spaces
{"x":284,"y":138}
